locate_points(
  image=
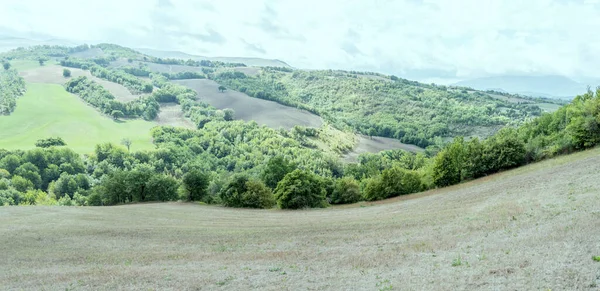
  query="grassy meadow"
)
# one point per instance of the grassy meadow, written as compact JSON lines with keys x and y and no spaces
{"x":527,"y":229}
{"x":47,"y":110}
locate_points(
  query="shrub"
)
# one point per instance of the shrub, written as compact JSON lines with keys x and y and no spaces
{"x":195,"y":184}
{"x":391,"y":183}
{"x":162,"y":188}
{"x":258,"y":195}
{"x":66,"y":73}
{"x":346,"y":190}
{"x":300,"y":189}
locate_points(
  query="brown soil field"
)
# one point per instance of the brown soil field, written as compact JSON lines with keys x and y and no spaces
{"x":171,"y":114}
{"x":248,"y":108}
{"x":533,"y":228}
{"x":53,"y":75}
{"x":376,"y":144}
{"x":89,"y":54}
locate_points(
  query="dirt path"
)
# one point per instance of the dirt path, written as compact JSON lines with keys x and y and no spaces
{"x":535,"y":228}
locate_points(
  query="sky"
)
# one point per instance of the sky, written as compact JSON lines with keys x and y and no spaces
{"x":415,"y":39}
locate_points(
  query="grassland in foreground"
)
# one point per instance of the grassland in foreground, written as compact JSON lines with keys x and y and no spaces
{"x":47,"y":110}
{"x":534,"y":228}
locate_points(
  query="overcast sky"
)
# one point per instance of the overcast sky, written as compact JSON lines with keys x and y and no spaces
{"x":418,"y":39}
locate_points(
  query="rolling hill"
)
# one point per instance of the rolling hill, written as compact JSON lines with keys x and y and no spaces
{"x":551,"y":86}
{"x":254,"y":62}
{"x":527,"y":229}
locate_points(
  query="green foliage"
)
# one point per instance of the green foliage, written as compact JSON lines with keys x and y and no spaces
{"x":277,"y":167}
{"x":97,"y":96}
{"x":66,"y":73}
{"x":162,"y":188}
{"x":300,"y":189}
{"x":195,"y":184}
{"x":449,"y":164}
{"x":6,"y":65}
{"x":391,"y":183}
{"x":410,"y":111}
{"x":21,"y":184}
{"x":50,"y":142}
{"x":241,"y":191}
{"x":11,"y":87}
{"x":346,"y":190}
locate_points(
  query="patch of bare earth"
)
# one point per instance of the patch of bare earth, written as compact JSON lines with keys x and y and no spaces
{"x":171,"y":114}
{"x":377,"y":144}
{"x":534,"y":228}
{"x":248,"y":108}
{"x":54,"y":75}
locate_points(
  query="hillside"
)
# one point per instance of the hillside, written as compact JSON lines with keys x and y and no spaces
{"x":386,"y":106}
{"x":527,"y":229}
{"x":537,"y":86}
{"x":254,"y":62}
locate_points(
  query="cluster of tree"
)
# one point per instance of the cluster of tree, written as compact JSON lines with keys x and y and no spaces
{"x":11,"y":87}
{"x":194,"y":63}
{"x":145,"y":107}
{"x":131,"y":82}
{"x":25,"y":175}
{"x":50,"y":142}
{"x":241,"y":164}
{"x":410,"y":111}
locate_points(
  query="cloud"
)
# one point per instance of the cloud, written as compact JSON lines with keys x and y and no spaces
{"x":416,"y":38}
{"x":254,"y":47}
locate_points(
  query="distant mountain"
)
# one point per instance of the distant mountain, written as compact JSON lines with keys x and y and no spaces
{"x":256,"y":62}
{"x":551,"y":86}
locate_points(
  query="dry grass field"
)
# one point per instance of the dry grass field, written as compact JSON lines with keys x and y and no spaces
{"x":377,"y":144}
{"x":247,"y":108}
{"x":534,"y":228}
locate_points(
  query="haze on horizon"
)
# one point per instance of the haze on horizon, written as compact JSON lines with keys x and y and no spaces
{"x":418,"y":39}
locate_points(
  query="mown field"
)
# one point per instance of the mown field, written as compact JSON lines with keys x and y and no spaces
{"x":533,"y":228}
{"x":247,"y":108}
{"x":47,"y":110}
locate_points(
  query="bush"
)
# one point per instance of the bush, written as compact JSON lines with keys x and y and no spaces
{"x":346,"y":190}
{"x":300,"y":189}
{"x":162,"y":188}
{"x":66,"y":73}
{"x":49,"y":142}
{"x":391,"y":183}
{"x":258,"y":195}
{"x":195,"y":184}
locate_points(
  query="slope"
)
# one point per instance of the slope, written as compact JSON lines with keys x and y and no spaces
{"x":537,"y":86}
{"x":528,"y":229}
{"x":47,"y":110}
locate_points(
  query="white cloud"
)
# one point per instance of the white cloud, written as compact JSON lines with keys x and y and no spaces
{"x":454,"y":38}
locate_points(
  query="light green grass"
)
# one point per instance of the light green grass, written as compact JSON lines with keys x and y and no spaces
{"x":23,"y":65}
{"x":548,"y":107}
{"x":47,"y":110}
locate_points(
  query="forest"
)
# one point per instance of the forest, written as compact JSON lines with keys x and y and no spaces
{"x":241,"y":164}
{"x":378,"y":105}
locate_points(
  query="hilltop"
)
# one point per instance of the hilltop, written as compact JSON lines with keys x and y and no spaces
{"x":551,"y":86}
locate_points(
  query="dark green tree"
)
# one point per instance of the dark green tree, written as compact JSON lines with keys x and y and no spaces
{"x":195,"y":184}
{"x":66,"y":73}
{"x":300,"y":189}
{"x":276,"y":169}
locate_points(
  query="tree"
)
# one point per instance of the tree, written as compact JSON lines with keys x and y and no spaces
{"x":346,"y":190}
{"x":66,"y":73}
{"x":222,"y":89}
{"x":195,"y":184}
{"x":50,"y":142}
{"x":6,"y":65}
{"x":229,"y":114}
{"x":449,"y":164}
{"x":300,"y":189}
{"x":162,"y":188}
{"x":116,"y":114}
{"x":393,"y":182}
{"x":126,"y":142}
{"x":258,"y":195}
{"x":21,"y":184}
{"x":276,"y":169}
{"x":42,"y":60}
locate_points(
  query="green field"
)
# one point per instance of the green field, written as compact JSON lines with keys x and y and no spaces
{"x":22,"y":65}
{"x":47,"y":110}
